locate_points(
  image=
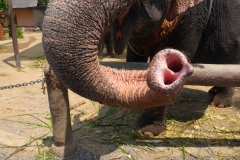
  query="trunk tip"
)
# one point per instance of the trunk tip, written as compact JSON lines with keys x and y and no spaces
{"x":168,"y":71}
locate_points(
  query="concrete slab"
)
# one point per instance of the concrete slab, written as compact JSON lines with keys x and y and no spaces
{"x":5,"y":41}
{"x":10,"y":139}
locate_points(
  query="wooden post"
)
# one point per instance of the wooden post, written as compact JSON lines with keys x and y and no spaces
{"x":1,"y":30}
{"x":14,"y":36}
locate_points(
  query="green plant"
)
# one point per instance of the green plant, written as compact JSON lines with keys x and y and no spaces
{"x":39,"y":63}
{"x":45,"y":155}
{"x":6,"y":32}
{"x":3,"y":47}
{"x":3,"y":6}
{"x":19,"y":33}
{"x":41,"y":124}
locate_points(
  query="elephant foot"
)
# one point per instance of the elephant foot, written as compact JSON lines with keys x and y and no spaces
{"x":152,"y":122}
{"x":221,"y":96}
{"x":64,"y":151}
{"x":110,"y":55}
{"x":100,"y":57}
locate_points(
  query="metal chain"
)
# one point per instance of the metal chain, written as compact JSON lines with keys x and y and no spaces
{"x":49,"y":78}
{"x":23,"y":84}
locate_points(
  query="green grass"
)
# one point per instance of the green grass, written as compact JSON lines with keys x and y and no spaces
{"x":212,"y":127}
{"x":23,"y":147}
{"x":38,"y":62}
{"x":20,"y":70}
{"x":41,"y":124}
{"x":45,"y":155}
{"x":3,"y":47}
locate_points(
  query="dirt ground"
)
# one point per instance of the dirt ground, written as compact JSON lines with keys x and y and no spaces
{"x":195,"y":130}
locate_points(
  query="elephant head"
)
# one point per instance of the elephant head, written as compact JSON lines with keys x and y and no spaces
{"x":71,"y":33}
{"x":143,"y":18}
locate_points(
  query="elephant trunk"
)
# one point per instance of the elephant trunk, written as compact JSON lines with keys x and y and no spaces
{"x":71,"y":33}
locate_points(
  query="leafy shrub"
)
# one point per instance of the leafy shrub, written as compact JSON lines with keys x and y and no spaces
{"x":19,"y":33}
{"x":6,"y":32}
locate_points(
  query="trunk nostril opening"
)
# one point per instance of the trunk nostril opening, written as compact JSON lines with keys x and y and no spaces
{"x":169,"y":77}
{"x":174,"y":63}
{"x":168,"y":71}
{"x":175,"y":67}
{"x":168,"y":82}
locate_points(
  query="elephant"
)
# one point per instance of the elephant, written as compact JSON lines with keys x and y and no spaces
{"x":72,"y":31}
{"x":106,"y":39}
{"x":206,"y":31}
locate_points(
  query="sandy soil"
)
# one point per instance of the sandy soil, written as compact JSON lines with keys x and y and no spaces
{"x":195,"y":130}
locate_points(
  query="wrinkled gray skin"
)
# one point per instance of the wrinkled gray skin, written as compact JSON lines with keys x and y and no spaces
{"x":107,"y":40}
{"x":71,"y":34}
{"x":205,"y":34}
{"x":141,"y":19}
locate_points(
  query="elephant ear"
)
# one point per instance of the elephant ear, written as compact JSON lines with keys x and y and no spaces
{"x":179,"y":6}
{"x":153,"y":11}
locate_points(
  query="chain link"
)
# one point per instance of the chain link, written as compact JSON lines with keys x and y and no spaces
{"x":23,"y":84}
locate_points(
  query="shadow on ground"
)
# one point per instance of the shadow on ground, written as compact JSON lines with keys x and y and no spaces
{"x":113,"y":128}
{"x":29,"y":54}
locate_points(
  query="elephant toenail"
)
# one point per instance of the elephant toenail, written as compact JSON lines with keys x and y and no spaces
{"x":148,"y":134}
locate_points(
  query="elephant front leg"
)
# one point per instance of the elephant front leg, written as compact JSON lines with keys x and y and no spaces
{"x":109,"y":45}
{"x":222,"y":96}
{"x":60,"y":112}
{"x":152,"y":122}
